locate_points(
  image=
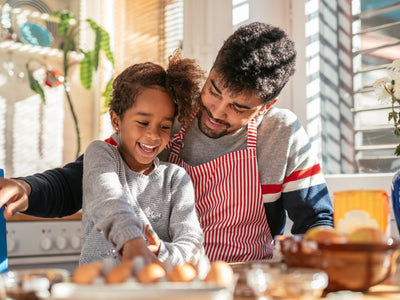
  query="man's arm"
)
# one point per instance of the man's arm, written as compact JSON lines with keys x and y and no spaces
{"x":56,"y":192}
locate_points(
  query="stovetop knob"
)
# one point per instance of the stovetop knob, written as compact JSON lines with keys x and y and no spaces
{"x":46,"y":243}
{"x":61,"y":242}
{"x":75,"y":242}
{"x":12,"y":245}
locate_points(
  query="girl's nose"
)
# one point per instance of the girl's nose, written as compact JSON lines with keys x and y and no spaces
{"x":153,"y":132}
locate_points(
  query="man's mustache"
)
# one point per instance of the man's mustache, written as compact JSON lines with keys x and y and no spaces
{"x":214,"y":119}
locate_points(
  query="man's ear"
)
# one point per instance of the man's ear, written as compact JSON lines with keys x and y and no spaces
{"x":266,"y":107}
{"x":115,"y":120}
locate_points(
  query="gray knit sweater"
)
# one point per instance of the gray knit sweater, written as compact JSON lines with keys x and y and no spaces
{"x":118,"y":203}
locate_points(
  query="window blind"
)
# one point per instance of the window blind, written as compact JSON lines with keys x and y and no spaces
{"x":147,"y":30}
{"x":376,"y":43}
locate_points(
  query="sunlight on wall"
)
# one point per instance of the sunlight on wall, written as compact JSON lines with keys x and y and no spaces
{"x":31,"y":134}
{"x":240,"y":12}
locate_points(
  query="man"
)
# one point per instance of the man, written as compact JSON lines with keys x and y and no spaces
{"x":249,"y":161}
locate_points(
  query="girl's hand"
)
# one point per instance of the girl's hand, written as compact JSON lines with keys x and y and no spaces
{"x":153,"y":240}
{"x":137,"y":247}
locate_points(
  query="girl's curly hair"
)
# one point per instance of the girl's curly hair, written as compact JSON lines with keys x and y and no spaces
{"x":183,"y":80}
{"x":257,"y":58}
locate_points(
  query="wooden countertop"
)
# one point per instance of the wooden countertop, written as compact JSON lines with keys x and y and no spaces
{"x":19,"y":217}
{"x":378,"y":292}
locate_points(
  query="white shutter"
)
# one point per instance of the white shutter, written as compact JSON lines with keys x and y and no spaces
{"x":376,"y":43}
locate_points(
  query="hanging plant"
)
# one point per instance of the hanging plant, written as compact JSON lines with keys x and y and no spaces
{"x":89,"y":64}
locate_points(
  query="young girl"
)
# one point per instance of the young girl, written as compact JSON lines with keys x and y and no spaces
{"x":126,"y":188}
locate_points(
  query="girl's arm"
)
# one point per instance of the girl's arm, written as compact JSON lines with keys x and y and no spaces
{"x":185,"y":230}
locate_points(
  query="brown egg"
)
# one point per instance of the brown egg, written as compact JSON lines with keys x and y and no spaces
{"x":119,"y":273}
{"x":151,"y":273}
{"x":182,"y":273}
{"x":367,"y":235}
{"x":220,"y":272}
{"x":87,"y":273}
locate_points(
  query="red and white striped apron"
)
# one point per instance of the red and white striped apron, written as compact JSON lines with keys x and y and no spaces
{"x":229,"y":202}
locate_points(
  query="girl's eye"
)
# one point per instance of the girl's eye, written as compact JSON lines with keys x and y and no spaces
{"x":166,"y":126}
{"x":142,"y":123}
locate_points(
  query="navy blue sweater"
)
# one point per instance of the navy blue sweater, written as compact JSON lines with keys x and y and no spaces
{"x":56,"y":192}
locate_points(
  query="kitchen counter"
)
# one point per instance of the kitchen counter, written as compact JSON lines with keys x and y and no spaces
{"x":19,"y":217}
{"x":378,"y":292}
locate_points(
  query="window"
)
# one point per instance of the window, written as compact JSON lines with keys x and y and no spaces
{"x":349,"y":44}
{"x":376,"y":43}
{"x":143,"y":30}
{"x":147,"y":30}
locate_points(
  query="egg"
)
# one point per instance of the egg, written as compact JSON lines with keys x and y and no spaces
{"x":220,"y":272}
{"x":138,"y":263}
{"x":87,"y":273}
{"x":323,"y":234}
{"x":182,"y":273}
{"x":151,"y":273}
{"x":119,"y":273}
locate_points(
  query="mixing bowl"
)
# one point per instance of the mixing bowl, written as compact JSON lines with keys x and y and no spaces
{"x":350,"y":266}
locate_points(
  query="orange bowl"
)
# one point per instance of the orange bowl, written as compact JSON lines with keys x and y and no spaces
{"x":355,"y":266}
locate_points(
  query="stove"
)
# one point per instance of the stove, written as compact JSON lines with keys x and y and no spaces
{"x":44,"y":243}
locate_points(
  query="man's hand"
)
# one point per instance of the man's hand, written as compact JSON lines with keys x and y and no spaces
{"x":14,"y":194}
{"x":153,"y":240}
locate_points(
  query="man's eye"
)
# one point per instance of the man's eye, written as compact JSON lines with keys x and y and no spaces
{"x":237,"y":110}
{"x":210,"y":89}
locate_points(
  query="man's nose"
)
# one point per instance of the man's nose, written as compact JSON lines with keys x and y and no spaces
{"x":219,"y":110}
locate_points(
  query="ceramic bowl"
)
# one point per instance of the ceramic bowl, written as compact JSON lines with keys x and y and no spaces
{"x":350,"y":266}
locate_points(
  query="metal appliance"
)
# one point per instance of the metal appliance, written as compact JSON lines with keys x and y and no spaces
{"x":44,"y":243}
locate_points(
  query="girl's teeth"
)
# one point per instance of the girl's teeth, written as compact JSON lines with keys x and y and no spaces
{"x":146,"y":147}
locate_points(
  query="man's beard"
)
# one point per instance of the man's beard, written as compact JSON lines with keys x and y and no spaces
{"x":210,"y":132}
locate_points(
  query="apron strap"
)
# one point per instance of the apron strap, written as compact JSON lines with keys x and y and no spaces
{"x":176,"y":142}
{"x":252,"y":134}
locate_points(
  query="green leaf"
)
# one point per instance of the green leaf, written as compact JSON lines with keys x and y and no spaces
{"x":65,"y":17}
{"x":96,"y":50}
{"x":397,"y":151}
{"x":34,"y":84}
{"x":104,"y":40}
{"x":86,"y":70}
{"x":108,"y":92}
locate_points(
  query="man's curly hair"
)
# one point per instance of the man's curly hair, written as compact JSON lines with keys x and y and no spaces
{"x":258,"y":59}
{"x":183,"y":80}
